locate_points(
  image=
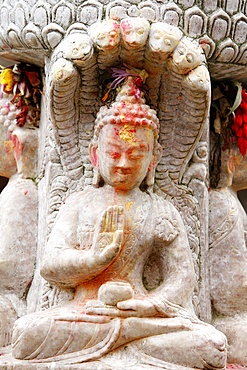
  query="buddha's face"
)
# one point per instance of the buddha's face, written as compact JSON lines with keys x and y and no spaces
{"x":134,"y":31}
{"x":163,"y":38}
{"x":125,"y":154}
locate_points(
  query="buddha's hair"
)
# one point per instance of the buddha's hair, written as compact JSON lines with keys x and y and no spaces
{"x":128,"y":109}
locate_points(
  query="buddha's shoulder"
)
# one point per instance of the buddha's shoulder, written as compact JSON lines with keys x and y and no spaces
{"x":222,"y":202}
{"x":167,"y":220}
{"x":163,"y":205}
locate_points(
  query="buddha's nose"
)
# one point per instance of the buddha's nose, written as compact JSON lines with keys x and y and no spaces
{"x":123,"y":161}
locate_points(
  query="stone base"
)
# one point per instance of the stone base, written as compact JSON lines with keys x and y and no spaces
{"x":7,"y":362}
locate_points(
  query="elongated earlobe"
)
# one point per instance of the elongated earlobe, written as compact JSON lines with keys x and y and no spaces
{"x":25,"y":143}
{"x":93,"y":153}
{"x":96,"y":177}
{"x":150,"y":177}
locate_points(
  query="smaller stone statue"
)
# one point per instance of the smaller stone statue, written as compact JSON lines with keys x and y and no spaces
{"x":18,"y":204}
{"x":99,"y":245}
{"x":227,"y":231}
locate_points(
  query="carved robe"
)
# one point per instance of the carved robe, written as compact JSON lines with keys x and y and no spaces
{"x":67,"y":332}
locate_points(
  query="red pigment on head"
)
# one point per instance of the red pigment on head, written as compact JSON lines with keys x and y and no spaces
{"x":138,"y":82}
{"x":134,"y":91}
{"x":140,"y":113}
{"x":126,"y":26}
{"x":116,"y":130}
{"x":116,"y":26}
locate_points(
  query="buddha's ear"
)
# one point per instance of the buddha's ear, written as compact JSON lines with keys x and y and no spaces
{"x":151,"y":172}
{"x":93,"y":153}
{"x":17,"y":144}
{"x":150,"y":178}
{"x":25,"y":143}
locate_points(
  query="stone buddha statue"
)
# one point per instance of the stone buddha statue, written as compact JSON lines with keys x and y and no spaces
{"x":227,"y":246}
{"x":99,"y":246}
{"x":19,"y":214}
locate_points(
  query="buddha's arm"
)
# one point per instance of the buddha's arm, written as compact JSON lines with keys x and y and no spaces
{"x":65,"y":264}
{"x":174,"y":295}
{"x":180,"y":278}
{"x":170,"y":298}
{"x":227,"y":254}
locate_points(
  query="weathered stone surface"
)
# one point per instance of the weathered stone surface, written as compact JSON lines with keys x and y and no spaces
{"x":18,"y":217}
{"x":43,"y":25}
{"x":227,"y":242}
{"x":77,"y":43}
{"x":101,"y":243}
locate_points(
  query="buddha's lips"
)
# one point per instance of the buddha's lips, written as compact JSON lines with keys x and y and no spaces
{"x":123,"y":171}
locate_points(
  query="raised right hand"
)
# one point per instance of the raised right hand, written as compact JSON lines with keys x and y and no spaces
{"x":109,"y":239}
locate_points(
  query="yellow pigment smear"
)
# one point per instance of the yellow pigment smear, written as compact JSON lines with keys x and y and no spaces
{"x":127,"y":133}
{"x":128,"y":205}
{"x":7,"y":79}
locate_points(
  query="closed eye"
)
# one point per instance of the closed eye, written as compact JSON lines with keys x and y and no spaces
{"x":135,"y":156}
{"x":113,"y":154}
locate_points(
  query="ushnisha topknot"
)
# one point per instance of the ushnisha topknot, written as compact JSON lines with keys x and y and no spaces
{"x":129,"y":108}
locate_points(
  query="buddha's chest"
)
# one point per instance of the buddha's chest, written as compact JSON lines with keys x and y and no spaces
{"x":134,"y":218}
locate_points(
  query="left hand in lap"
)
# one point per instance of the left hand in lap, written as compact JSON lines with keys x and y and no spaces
{"x":127,"y":308}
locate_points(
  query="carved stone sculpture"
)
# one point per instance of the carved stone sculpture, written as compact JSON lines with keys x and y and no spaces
{"x":175,"y":75}
{"x":99,"y":245}
{"x":19,"y":213}
{"x":227,"y":243}
{"x":84,"y":49}
{"x":219,"y":27}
